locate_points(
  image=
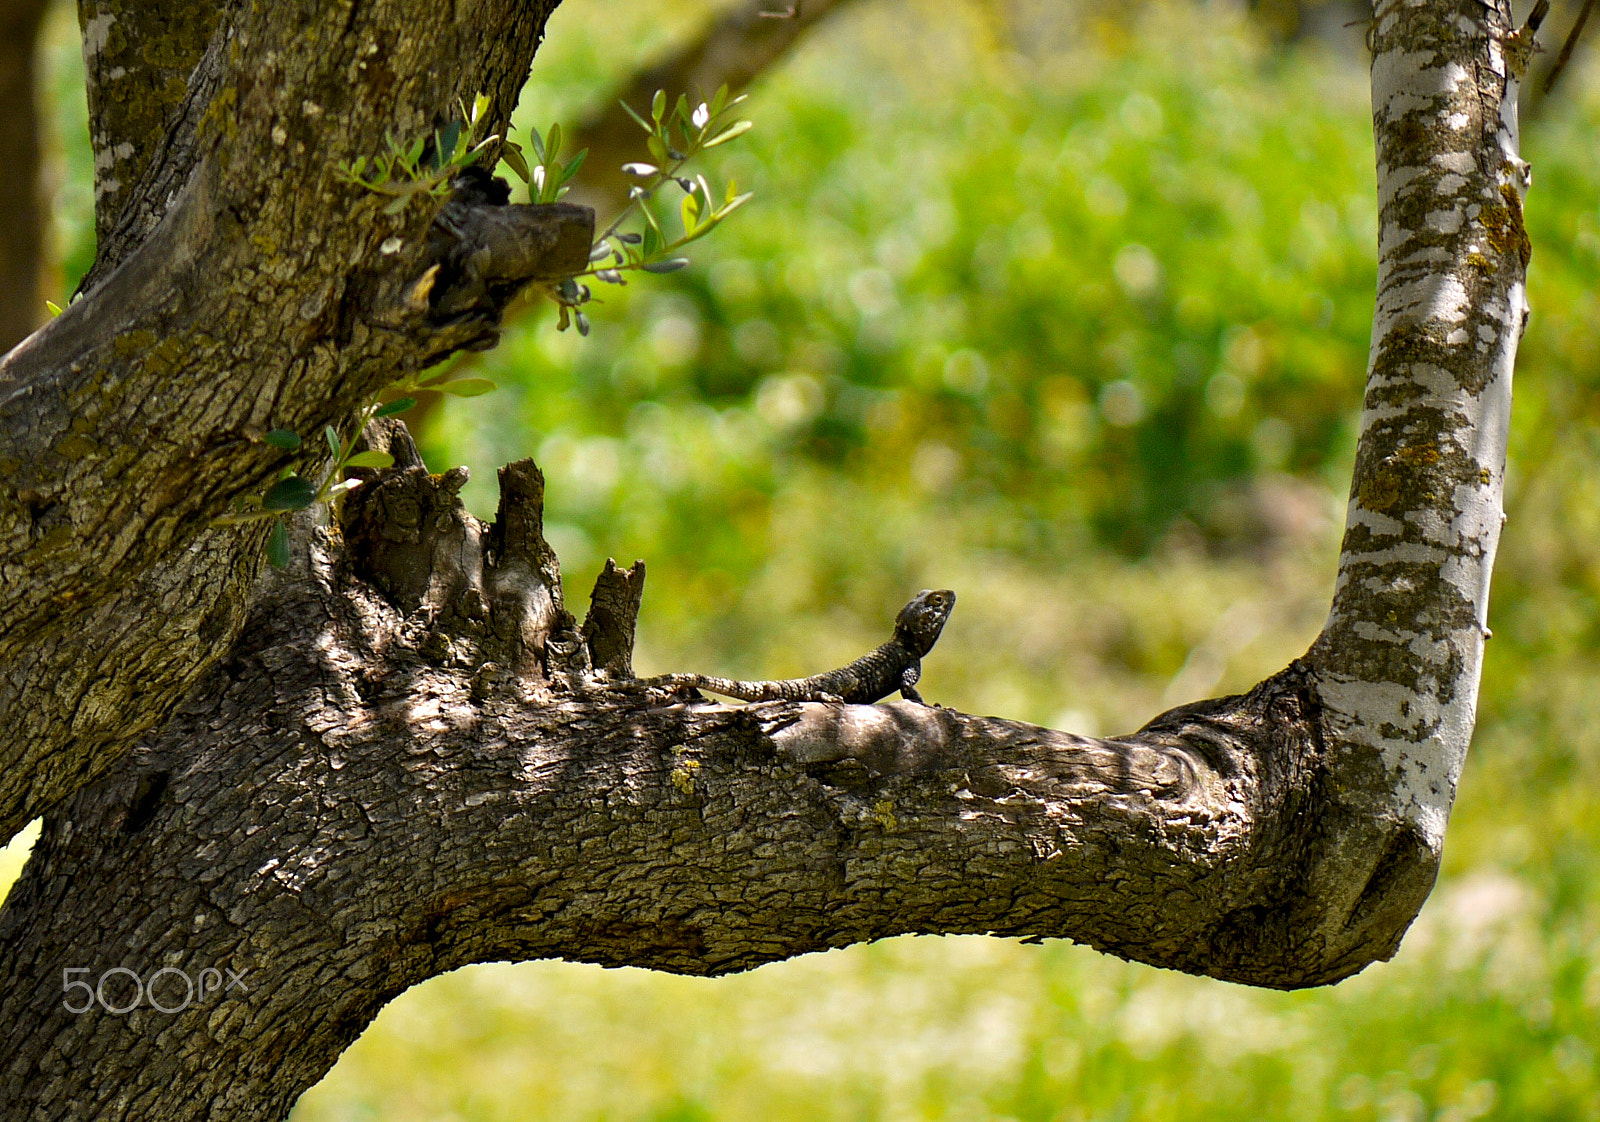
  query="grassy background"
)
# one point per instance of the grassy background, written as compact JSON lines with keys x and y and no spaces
{"x":1067,"y":310}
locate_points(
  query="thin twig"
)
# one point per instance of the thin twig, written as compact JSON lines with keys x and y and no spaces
{"x":1567,"y":47}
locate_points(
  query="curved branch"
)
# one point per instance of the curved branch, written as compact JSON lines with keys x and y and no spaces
{"x":370,"y":792}
{"x":410,"y":763}
{"x":1400,"y":656}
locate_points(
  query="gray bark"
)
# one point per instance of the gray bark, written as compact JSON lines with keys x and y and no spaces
{"x":412,"y":758}
{"x":252,"y":296}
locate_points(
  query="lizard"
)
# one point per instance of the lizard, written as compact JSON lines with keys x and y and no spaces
{"x":896,"y":665}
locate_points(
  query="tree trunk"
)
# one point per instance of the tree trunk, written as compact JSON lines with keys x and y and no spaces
{"x":242,"y":288}
{"x":408,"y":761}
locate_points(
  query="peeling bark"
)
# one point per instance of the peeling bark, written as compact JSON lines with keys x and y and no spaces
{"x":412,"y":756}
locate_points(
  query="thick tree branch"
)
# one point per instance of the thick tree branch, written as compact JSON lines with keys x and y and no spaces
{"x":406,"y":766}
{"x":139,"y":60}
{"x":257,"y":301}
{"x":1400,"y":656}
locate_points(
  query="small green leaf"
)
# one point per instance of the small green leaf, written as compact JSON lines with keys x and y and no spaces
{"x":55,"y":309}
{"x":370,"y":460}
{"x":512,"y":155}
{"x":689,"y":210}
{"x":710,"y":223}
{"x":278,"y":546}
{"x":286,"y":439}
{"x":447,"y":142}
{"x":467,"y":387}
{"x":552,"y":142}
{"x":732,"y":205}
{"x":738,"y":128}
{"x":643,"y":124}
{"x":398,"y":405}
{"x":537,"y":141}
{"x":293,"y":493}
{"x":658,"y":105}
{"x":658,"y":149}
{"x":653,"y":243}
{"x":573,"y":165}
{"x":332,"y":437}
{"x":651,"y":222}
{"x":670,"y":265}
{"x":719,"y":99}
{"x":681,"y":110}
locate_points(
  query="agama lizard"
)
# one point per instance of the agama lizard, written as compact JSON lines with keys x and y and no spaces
{"x":897,"y":665}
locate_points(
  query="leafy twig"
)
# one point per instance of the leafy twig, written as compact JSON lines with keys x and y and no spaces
{"x":673,"y":140}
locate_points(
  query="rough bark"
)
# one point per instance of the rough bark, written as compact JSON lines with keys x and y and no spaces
{"x":21,"y":209}
{"x":139,"y":61}
{"x":413,"y":758}
{"x":260,"y":292}
{"x":407,"y":765}
{"x":1399,"y":660}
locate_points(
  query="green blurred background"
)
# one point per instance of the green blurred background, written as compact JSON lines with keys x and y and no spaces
{"x":1066,"y":308}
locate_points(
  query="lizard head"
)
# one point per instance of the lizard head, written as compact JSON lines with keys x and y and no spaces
{"x":919,"y":622}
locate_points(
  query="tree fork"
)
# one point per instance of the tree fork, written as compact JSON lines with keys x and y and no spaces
{"x":247,"y":302}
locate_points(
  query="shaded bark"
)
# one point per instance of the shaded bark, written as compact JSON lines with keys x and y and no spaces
{"x":414,"y":758}
{"x":22,"y":211}
{"x":245,"y":301}
{"x":139,"y":61}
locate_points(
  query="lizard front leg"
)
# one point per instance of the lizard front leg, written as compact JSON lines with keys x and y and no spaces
{"x":909,"y":677}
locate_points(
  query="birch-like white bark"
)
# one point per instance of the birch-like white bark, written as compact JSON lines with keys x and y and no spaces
{"x":1399,"y":660}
